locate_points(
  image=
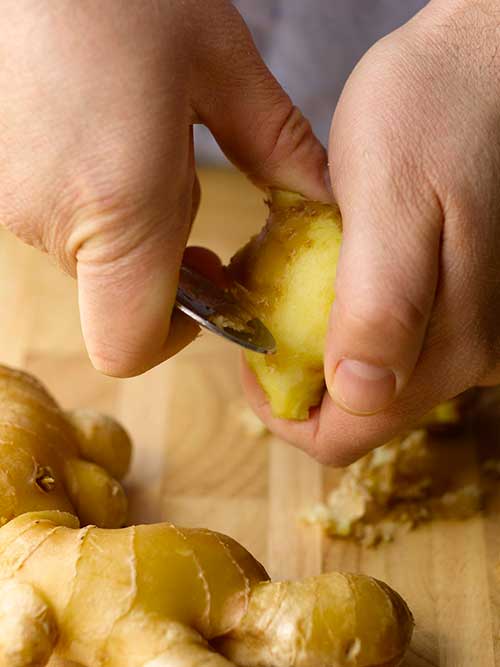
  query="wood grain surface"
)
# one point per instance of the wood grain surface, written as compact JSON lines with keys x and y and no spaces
{"x":197,"y":462}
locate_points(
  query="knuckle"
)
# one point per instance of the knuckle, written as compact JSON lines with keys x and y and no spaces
{"x":395,"y":145}
{"x":292,"y":131}
{"x":395,"y":316}
{"x":289,"y":134}
{"x":381,"y":169}
{"x":102,"y":219}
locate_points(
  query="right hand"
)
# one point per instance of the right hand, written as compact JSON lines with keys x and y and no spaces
{"x":97,"y":169}
{"x":415,"y":163}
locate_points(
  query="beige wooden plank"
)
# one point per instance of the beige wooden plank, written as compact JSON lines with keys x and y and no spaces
{"x":216,"y":471}
{"x":295,"y":482}
{"x":491,"y":528}
{"x":197,"y":463}
{"x":142,"y":407}
{"x":464,"y":622}
{"x":16,"y":300}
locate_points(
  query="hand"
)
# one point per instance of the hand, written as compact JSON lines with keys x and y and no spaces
{"x":97,"y":169}
{"x":415,"y":168}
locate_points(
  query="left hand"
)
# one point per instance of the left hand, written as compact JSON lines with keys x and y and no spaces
{"x":415,"y":168}
{"x":96,"y":154}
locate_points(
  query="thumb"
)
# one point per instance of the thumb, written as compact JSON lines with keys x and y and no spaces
{"x":127,"y":272}
{"x":386,"y":278}
{"x":252,"y":118}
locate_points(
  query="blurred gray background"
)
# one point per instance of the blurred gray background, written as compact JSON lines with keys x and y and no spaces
{"x":311,"y":46}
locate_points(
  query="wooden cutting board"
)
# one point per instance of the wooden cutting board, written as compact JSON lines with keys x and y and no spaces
{"x":197,"y":462}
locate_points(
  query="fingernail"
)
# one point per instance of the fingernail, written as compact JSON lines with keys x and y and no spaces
{"x":361,"y":388}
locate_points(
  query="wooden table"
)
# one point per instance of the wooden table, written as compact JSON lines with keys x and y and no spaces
{"x":197,"y":463}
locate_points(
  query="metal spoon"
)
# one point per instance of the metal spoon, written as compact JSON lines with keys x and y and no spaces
{"x":219,"y":311}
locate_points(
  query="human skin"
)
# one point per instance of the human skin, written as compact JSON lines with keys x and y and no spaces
{"x":98,"y":100}
{"x":415,"y":167}
{"x":97,"y":169}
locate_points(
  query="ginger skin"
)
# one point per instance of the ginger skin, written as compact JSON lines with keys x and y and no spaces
{"x":151,"y":596}
{"x":155,"y":596}
{"x":50,"y":459}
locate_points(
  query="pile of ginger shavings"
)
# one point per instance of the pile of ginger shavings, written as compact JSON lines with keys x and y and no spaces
{"x":415,"y":478}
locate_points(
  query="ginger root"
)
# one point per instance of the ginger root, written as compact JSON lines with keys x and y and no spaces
{"x":288,"y":272}
{"x":392,"y":490}
{"x":150,"y":596}
{"x":50,"y":459}
{"x":162,"y":596}
{"x":411,"y":479}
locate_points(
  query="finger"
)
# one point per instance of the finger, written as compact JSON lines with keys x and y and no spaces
{"x":207,"y":263}
{"x":336,"y":437}
{"x":126,"y":310}
{"x":127,"y":268}
{"x":196,"y":194}
{"x":387,"y":272}
{"x":298,"y":433}
{"x":252,"y":118}
{"x":127,"y":280}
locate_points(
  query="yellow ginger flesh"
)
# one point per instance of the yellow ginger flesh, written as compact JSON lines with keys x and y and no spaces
{"x":288,"y":271}
{"x":162,"y":596}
